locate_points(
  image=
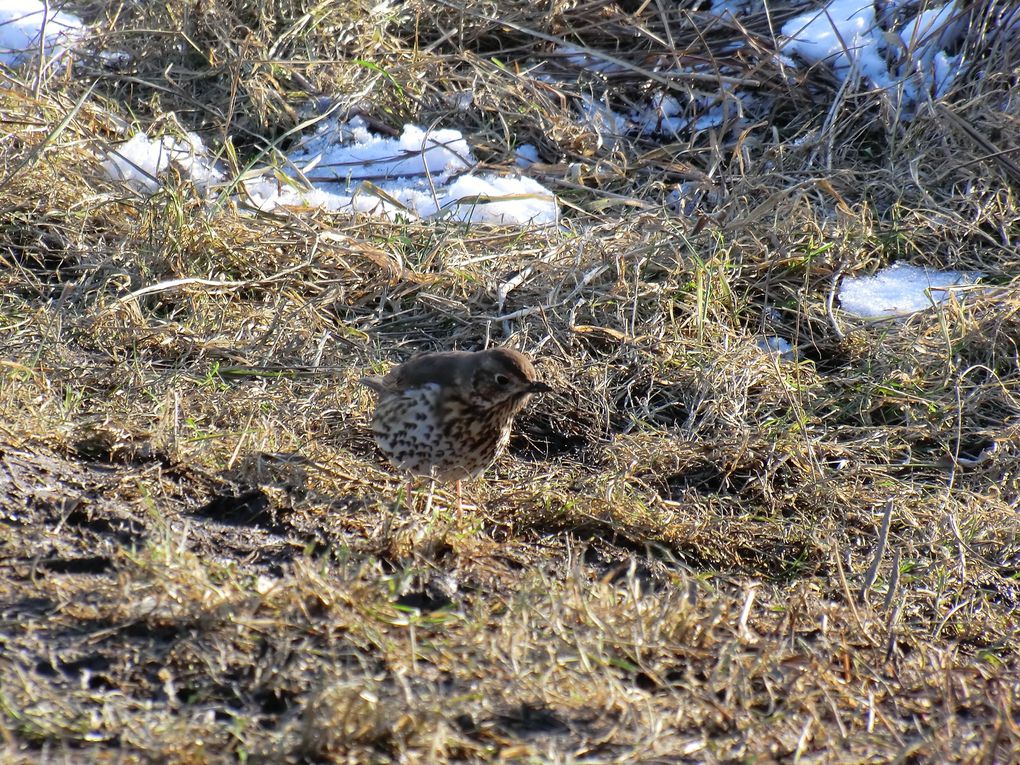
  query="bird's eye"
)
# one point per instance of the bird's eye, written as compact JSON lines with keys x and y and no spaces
{"x":502,"y":379}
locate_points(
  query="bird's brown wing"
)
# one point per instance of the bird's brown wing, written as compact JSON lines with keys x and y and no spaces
{"x":441,"y":368}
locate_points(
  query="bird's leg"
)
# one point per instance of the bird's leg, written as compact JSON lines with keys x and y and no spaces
{"x":460,"y":504}
{"x":432,"y":491}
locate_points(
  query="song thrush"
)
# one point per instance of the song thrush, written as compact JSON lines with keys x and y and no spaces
{"x":448,"y":415}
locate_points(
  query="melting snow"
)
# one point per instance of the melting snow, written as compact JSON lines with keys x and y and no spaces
{"x":139,"y":162}
{"x":583,"y":60}
{"x":899,"y":289}
{"x":779,"y":346}
{"x":22,"y":22}
{"x":842,"y":33}
{"x":526,"y":155}
{"x":609,"y":125}
{"x":419,"y":174}
{"x":845,"y":33}
{"x":339,"y":153}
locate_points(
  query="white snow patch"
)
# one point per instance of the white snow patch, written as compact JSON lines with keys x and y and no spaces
{"x":461,"y":100}
{"x":842,"y":33}
{"x":667,"y":115}
{"x":944,"y":69}
{"x":912,"y":63}
{"x":526,"y":155}
{"x":139,"y":162}
{"x":776,"y":345}
{"x":735,"y":8}
{"x":339,"y":153}
{"x":502,"y":201}
{"x":420,"y":174}
{"x":116,"y":59}
{"x":689,"y":197}
{"x":934,"y":25}
{"x":583,"y":60}
{"x":927,"y":66}
{"x":664,"y":114}
{"x":24,"y":22}
{"x":607,"y":124}
{"x":899,"y":289}
{"x":270,"y":193}
{"x":469,"y":199}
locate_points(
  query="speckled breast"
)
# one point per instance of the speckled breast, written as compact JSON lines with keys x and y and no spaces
{"x":422,"y":433}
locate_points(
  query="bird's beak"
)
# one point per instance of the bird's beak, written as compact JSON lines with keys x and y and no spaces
{"x":539,"y":387}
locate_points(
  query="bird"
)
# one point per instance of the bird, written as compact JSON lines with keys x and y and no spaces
{"x":447,"y":415}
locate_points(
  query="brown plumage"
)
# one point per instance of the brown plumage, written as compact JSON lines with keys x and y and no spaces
{"x":448,"y":415}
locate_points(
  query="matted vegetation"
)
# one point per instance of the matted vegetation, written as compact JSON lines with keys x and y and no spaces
{"x":695,"y":552}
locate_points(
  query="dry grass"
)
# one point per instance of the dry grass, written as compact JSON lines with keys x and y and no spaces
{"x":694,"y":552}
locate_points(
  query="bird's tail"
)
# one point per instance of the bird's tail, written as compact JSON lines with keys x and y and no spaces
{"x":374,"y":382}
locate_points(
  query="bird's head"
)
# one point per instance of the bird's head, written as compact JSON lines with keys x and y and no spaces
{"x":500,"y":376}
